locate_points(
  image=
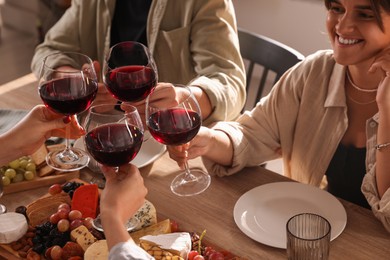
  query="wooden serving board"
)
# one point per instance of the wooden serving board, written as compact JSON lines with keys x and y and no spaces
{"x":56,"y":177}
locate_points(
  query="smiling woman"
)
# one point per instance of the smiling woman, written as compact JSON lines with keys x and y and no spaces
{"x":315,"y":102}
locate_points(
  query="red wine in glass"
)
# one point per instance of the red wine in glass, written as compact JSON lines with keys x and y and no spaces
{"x":110,"y":145}
{"x":174,"y":126}
{"x":175,"y":120}
{"x":66,"y":98}
{"x":131,"y":83}
{"x":129,"y":71}
{"x":67,"y":84}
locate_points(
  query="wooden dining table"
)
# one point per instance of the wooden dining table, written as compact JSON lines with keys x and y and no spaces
{"x":364,"y":237}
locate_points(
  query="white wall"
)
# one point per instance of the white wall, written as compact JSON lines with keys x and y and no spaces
{"x":297,"y":23}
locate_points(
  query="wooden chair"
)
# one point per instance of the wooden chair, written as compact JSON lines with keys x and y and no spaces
{"x":267,"y":56}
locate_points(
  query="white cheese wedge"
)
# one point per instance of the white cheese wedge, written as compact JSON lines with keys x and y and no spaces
{"x":12,"y":227}
{"x":179,"y":243}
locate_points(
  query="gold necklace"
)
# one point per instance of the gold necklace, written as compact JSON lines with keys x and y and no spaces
{"x":359,"y":103}
{"x":357,"y":88}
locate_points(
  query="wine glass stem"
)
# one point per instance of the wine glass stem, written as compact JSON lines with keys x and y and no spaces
{"x":188,"y":177}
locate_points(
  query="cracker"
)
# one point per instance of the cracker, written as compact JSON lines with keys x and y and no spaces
{"x":45,"y":171}
{"x":39,"y":156}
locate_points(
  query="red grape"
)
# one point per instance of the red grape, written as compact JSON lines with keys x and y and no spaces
{"x":54,"y":218}
{"x":174,"y":226}
{"x":76,"y":223}
{"x":192,"y":254}
{"x":56,"y":253}
{"x":198,"y":257}
{"x":216,"y":256}
{"x":63,"y":213}
{"x":64,"y":206}
{"x":63,"y":225}
{"x":55,"y":189}
{"x":75,"y":214}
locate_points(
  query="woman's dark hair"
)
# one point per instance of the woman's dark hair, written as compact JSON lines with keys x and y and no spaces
{"x":376,"y":6}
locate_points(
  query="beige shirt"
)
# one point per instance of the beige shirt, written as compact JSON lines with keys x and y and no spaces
{"x":193,"y":42}
{"x":302,"y":121}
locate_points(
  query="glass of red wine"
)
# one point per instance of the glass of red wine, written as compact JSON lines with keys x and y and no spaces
{"x":129,"y":71}
{"x":114,"y":138}
{"x":67,"y":85}
{"x":177,"y":122}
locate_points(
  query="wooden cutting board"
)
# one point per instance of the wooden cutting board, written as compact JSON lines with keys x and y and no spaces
{"x":56,"y":177}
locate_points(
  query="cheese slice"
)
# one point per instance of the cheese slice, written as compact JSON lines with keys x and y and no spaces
{"x":82,"y":236}
{"x":97,"y":251}
{"x":12,"y":227}
{"x":178,"y":243}
{"x":147,"y":215}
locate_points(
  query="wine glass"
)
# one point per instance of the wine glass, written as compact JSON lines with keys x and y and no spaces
{"x":129,"y":71}
{"x":114,"y":137}
{"x":67,"y":85}
{"x":177,"y":124}
{"x":3,"y":208}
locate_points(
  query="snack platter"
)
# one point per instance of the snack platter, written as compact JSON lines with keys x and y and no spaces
{"x":151,"y":225}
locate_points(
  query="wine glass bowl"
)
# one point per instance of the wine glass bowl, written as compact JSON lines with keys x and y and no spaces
{"x":129,"y":71}
{"x":114,"y":137}
{"x":67,"y":85}
{"x":175,"y":124}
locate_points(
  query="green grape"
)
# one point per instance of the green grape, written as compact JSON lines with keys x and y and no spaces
{"x":14,"y":164}
{"x":23,"y":163}
{"x":10,"y":173}
{"x":6,"y":180}
{"x":29,"y":175}
{"x":18,"y":178}
{"x":31,"y":167}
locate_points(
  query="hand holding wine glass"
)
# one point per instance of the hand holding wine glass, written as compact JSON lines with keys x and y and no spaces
{"x":177,"y":122}
{"x":114,"y":137}
{"x":67,"y":85}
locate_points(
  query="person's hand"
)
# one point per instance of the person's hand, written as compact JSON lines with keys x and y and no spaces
{"x":382,"y":64}
{"x":124,"y":192}
{"x":196,"y":147}
{"x":40,"y":124}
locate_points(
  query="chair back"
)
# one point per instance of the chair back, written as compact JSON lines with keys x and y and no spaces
{"x":265,"y":60}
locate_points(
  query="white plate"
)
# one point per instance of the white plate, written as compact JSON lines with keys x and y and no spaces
{"x":150,"y":151}
{"x":262,"y":212}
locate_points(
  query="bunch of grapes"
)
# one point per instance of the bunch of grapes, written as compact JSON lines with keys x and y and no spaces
{"x":18,"y":170}
{"x":47,"y":235}
{"x":201,"y":252}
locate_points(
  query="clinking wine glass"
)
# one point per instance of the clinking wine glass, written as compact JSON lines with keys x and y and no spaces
{"x":129,"y":71}
{"x":67,"y":85}
{"x":3,"y":209}
{"x":114,"y":138}
{"x":177,"y":124}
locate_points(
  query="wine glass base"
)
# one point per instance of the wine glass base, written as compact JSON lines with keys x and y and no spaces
{"x":3,"y":209}
{"x":199,"y":182}
{"x":131,"y":224}
{"x":67,"y":160}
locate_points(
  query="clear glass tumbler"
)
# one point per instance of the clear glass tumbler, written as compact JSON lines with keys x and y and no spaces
{"x":308,"y":237}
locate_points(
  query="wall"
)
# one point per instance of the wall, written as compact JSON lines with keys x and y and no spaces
{"x":297,"y":23}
